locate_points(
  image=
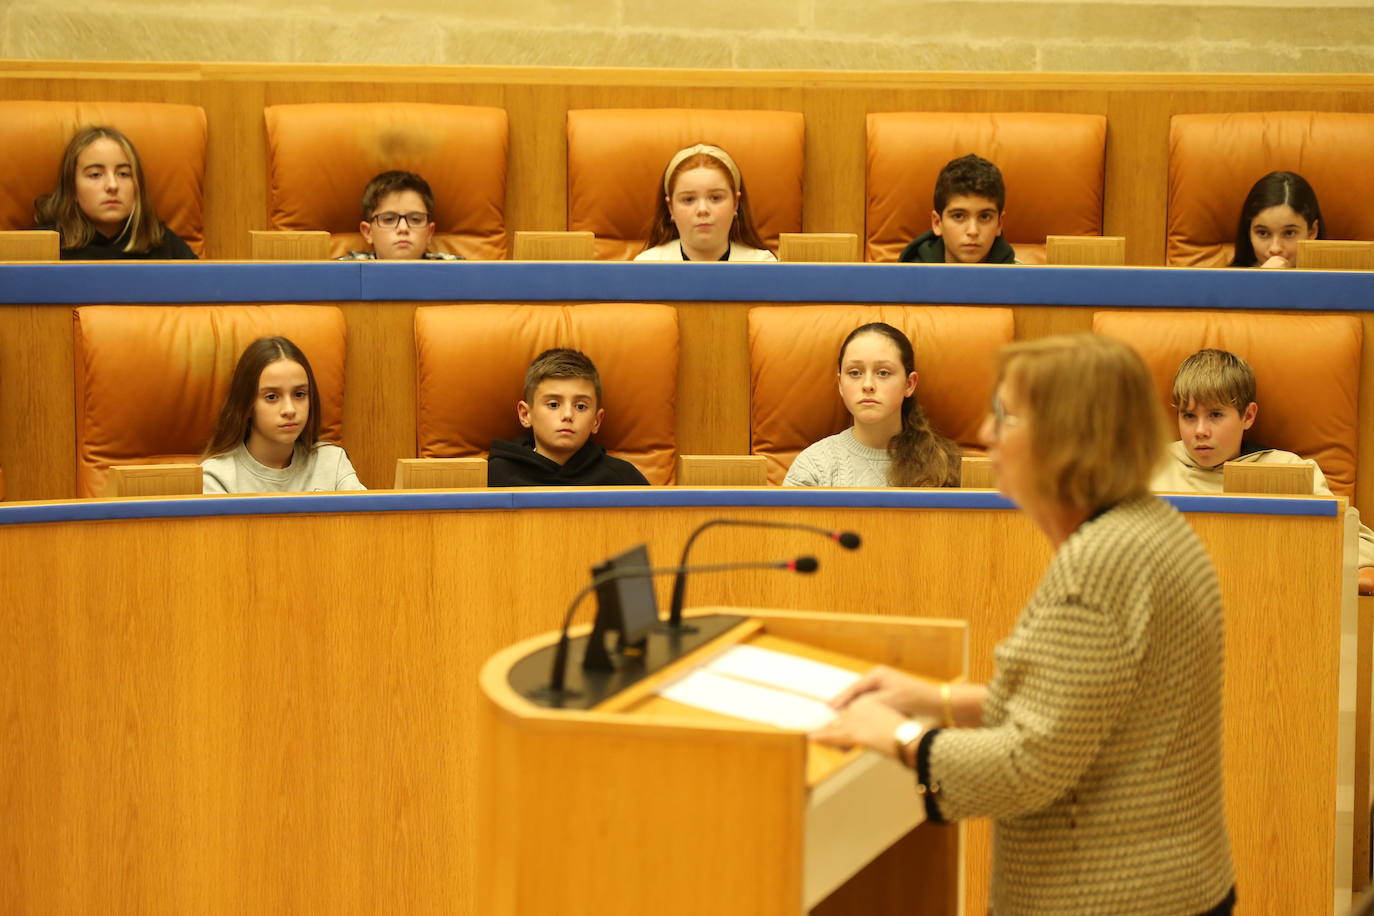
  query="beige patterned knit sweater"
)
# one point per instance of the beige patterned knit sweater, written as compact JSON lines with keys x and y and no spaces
{"x":1100,"y":755}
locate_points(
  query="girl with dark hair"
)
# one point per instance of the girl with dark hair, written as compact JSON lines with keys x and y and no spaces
{"x":1280,"y":210}
{"x":891,"y":443}
{"x":100,"y":207}
{"x":266,"y":437}
{"x":703,"y":214}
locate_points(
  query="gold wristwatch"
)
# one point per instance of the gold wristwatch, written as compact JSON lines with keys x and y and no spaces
{"x":904,"y":740}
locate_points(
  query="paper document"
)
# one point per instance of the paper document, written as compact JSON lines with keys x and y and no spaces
{"x":761,"y":685}
{"x":781,"y":671}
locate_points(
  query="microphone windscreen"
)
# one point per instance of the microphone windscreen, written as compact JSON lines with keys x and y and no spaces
{"x":805,"y":564}
{"x":848,"y":540}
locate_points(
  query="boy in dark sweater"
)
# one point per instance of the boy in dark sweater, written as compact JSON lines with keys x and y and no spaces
{"x":561,"y":410}
{"x":966,"y":224}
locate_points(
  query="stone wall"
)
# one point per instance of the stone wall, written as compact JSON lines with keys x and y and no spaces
{"x":1296,"y":36}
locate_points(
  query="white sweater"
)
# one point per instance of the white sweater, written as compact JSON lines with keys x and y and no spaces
{"x":672,"y":251}
{"x":839,"y":461}
{"x":322,"y":468}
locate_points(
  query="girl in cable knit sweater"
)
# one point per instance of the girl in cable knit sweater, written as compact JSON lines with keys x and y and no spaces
{"x":891,"y":444}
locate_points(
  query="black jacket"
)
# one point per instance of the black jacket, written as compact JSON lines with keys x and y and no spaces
{"x":515,"y":463}
{"x":930,"y":249}
{"x":104,"y":248}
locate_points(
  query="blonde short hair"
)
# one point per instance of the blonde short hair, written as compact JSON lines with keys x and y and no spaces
{"x":1097,"y":428}
{"x":1214,"y":377}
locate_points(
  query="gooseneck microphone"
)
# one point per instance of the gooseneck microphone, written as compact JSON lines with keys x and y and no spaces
{"x":559,"y":670}
{"x":846,"y":539}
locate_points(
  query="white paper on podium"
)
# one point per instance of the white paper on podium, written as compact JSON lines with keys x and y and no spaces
{"x":760,"y":685}
{"x":781,"y":671}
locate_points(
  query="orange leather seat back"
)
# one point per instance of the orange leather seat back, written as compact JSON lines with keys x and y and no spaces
{"x":616,"y":159}
{"x":470,"y":363}
{"x":1214,"y":160}
{"x":1307,"y":374}
{"x":170,"y":140}
{"x":1053,"y":166}
{"x":150,"y":380}
{"x":320,"y":157}
{"x":794,"y":377}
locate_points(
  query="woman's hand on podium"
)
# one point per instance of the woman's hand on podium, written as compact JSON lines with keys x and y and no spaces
{"x":909,"y":696}
{"x":865,"y":722}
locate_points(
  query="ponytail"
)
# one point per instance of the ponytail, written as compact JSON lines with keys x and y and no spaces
{"x":921,"y":457}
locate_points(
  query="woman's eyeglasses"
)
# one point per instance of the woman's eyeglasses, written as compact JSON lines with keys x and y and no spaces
{"x":1000,"y":417}
{"x":389,"y":220}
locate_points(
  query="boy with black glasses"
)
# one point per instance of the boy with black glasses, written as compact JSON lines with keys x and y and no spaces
{"x":398,"y":220}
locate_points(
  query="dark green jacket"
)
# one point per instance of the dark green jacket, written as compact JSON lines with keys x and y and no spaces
{"x":930,"y":249}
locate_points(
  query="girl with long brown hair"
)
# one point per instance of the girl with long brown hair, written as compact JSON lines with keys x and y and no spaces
{"x":891,"y":443}
{"x":100,"y":208}
{"x":703,"y":213}
{"x":266,"y":440}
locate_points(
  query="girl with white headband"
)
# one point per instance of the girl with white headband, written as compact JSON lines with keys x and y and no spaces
{"x":703,"y":214}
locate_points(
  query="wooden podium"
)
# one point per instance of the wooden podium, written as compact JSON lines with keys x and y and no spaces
{"x":621,"y":801}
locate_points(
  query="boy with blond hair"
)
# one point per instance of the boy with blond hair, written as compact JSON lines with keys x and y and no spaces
{"x":562,"y":410}
{"x":1214,"y":395}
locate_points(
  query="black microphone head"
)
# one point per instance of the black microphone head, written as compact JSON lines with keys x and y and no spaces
{"x":849,"y":540}
{"x":804,"y":565}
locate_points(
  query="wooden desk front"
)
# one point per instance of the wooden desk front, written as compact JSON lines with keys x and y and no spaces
{"x":268,"y":704}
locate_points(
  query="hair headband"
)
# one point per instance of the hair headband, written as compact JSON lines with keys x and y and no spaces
{"x":715,"y":152}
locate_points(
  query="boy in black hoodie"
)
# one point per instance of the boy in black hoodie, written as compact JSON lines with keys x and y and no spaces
{"x":966,"y":224}
{"x":561,"y":410}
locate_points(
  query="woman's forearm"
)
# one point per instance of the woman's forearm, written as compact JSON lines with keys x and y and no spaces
{"x":965,"y":705}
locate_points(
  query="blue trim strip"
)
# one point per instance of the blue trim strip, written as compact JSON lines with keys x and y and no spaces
{"x":516,"y":281}
{"x":1254,"y":505}
{"x":179,"y":282}
{"x":635,"y":497}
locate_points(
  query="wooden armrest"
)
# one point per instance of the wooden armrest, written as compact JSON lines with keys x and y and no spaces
{"x":440,"y":473}
{"x":290,"y":246}
{"x":1086,"y":250}
{"x":722,"y":471}
{"x":29,"y":245}
{"x":818,"y":246}
{"x":554,"y":246}
{"x":1335,"y":254}
{"x":976,"y":473}
{"x":1279,"y":479}
{"x":154,"y":480}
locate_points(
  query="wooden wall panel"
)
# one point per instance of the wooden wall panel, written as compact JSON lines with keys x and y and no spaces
{"x":37,"y":408}
{"x":278,"y":714}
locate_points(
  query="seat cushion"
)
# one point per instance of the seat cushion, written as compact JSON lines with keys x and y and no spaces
{"x":470,"y":373}
{"x":794,"y":376}
{"x":1053,"y":166}
{"x":320,"y":158}
{"x":150,"y":380}
{"x":616,"y":159}
{"x":1214,"y":160}
{"x":1307,"y":374}
{"x":170,"y":140}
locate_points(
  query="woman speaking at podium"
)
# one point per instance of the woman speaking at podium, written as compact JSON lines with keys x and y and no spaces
{"x":1096,"y":747}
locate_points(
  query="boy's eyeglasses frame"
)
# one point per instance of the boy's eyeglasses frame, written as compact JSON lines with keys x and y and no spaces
{"x":390,"y":219}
